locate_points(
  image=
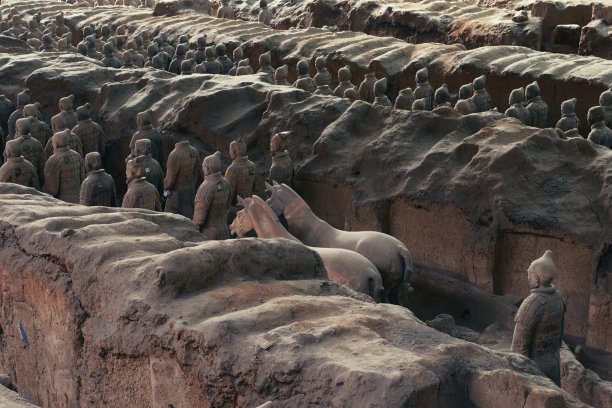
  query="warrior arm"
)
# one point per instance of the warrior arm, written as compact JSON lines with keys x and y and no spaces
{"x":202,"y":204}
{"x":527,"y":318}
{"x":51,"y":180}
{"x":171,"y":174}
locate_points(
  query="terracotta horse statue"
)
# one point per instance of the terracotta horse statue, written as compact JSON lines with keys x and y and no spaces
{"x":390,"y":256}
{"x":345,"y":267}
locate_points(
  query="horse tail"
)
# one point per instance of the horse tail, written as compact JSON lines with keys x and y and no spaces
{"x":408,"y":267}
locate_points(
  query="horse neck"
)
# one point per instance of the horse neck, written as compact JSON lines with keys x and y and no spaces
{"x":301,"y":218}
{"x":266,"y":227}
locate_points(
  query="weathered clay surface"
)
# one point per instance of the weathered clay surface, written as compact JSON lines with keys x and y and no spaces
{"x":134,"y":295}
{"x":10,"y":399}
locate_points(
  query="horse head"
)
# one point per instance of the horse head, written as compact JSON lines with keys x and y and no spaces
{"x":281,"y":196}
{"x":243,"y":222}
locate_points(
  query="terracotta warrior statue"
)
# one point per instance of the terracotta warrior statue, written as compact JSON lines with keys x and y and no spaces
{"x":322,"y":77}
{"x":517,"y":107}
{"x":144,"y":122}
{"x":183,"y":174}
{"x":280,"y":75}
{"x":17,"y":169}
{"x":225,"y":11}
{"x":110,"y":60}
{"x":6,"y":108}
{"x":366,"y":88}
{"x":442,"y":97}
{"x":74,"y":143}
{"x":244,"y":67}
{"x":423,"y":89}
{"x":98,"y":188}
{"x":465,"y":104}
{"x":67,"y":112}
{"x":344,"y":79}
{"x":39,"y":130}
{"x":31,"y":149}
{"x":211,"y":65}
{"x":179,"y":57}
{"x":538,"y":109}
{"x":223,"y":59}
{"x":200,"y":54}
{"x":419,"y":104}
{"x":140,"y":193}
{"x":281,"y":169}
{"x":304,"y":81}
{"x":323,"y":90}
{"x":265,"y":15}
{"x":48,"y":45}
{"x":23,"y":98}
{"x":61,"y":27}
{"x":380,"y":88}
{"x":89,"y":132}
{"x":266,"y":70}
{"x":538,"y":332}
{"x":482,"y":99}
{"x":152,"y":169}
{"x":600,"y":133}
{"x":212,"y":201}
{"x":605,"y":101}
{"x":405,"y":99}
{"x":241,"y":173}
{"x":64,"y":171}
{"x":237,"y":55}
{"x":568,"y":120}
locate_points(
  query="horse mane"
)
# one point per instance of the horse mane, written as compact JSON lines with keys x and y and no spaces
{"x":265,"y":215}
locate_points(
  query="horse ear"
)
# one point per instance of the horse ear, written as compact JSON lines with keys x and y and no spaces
{"x":275,"y":183}
{"x":268,"y":186}
{"x":241,"y":201}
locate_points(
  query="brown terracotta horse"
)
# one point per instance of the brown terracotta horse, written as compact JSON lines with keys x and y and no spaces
{"x":390,"y":256}
{"x":345,"y":267}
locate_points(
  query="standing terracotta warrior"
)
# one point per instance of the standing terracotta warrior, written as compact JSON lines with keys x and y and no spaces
{"x":179,"y":57}
{"x":304,"y":81}
{"x":600,"y":133}
{"x":281,"y":170}
{"x":110,"y":60}
{"x":322,"y":77}
{"x":67,"y":113}
{"x":344,"y":77}
{"x":17,"y":169}
{"x":465,"y":104}
{"x":88,"y":131}
{"x":6,"y":108}
{"x":266,"y":70}
{"x":182,"y":177}
{"x":568,"y":120}
{"x":280,"y":75}
{"x":366,"y":88}
{"x":61,"y":28}
{"x":244,"y":68}
{"x":482,"y":99}
{"x":211,"y":65}
{"x":538,"y":109}
{"x":237,"y":55}
{"x":223,"y":59}
{"x":538,"y":332}
{"x":265,"y":15}
{"x":423,"y":89}
{"x":140,"y":193}
{"x":75,"y":143}
{"x":38,"y":129}
{"x":200,"y":54}
{"x":405,"y":99}
{"x":380,"y":88}
{"x":144,"y":122}
{"x":30,"y":148}
{"x":517,"y":107}
{"x":605,"y":101}
{"x":152,"y":169}
{"x":225,"y":11}
{"x":213,"y":200}
{"x":98,"y":188}
{"x":442,"y":97}
{"x":64,"y":171}
{"x":23,"y":99}
{"x":241,"y":173}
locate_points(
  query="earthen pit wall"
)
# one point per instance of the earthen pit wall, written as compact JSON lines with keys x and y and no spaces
{"x":442,"y":237}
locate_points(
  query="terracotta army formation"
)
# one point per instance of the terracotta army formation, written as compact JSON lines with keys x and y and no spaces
{"x":140,"y":193}
{"x":465,"y":104}
{"x":241,"y":173}
{"x":568,"y":120}
{"x":183,"y":174}
{"x":517,"y":107}
{"x":366,"y":88}
{"x":423,"y":89}
{"x":265,"y":15}
{"x":152,"y":169}
{"x":405,"y":99}
{"x":538,"y":109}
{"x":344,"y":79}
{"x":482,"y":99}
{"x":89,"y":132}
{"x":304,"y":81}
{"x":380,"y":88}
{"x":16,"y":168}
{"x":64,"y":170}
{"x":98,"y":188}
{"x":212,"y":201}
{"x":266,"y":71}
{"x":538,"y":332}
{"x":600,"y":133}
{"x":281,"y":170}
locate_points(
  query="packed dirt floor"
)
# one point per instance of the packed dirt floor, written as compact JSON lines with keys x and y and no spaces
{"x":118,"y":307}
